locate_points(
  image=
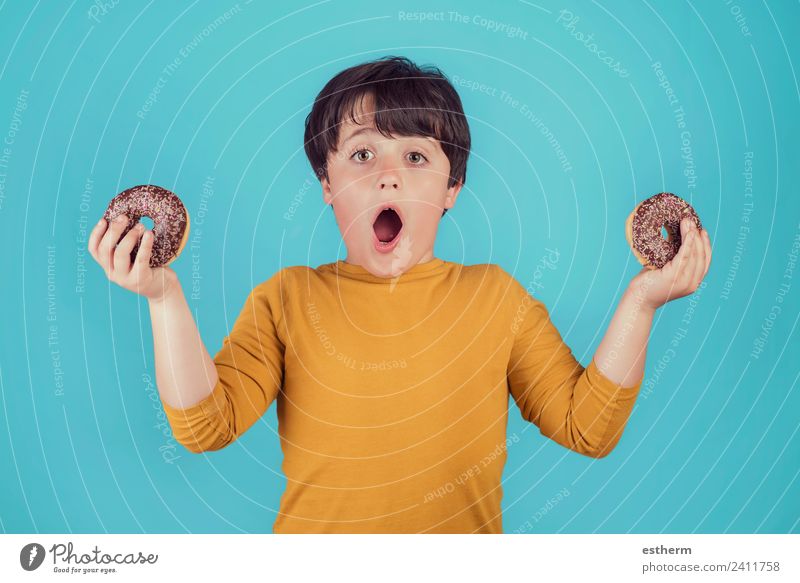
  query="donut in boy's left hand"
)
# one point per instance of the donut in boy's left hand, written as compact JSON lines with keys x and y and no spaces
{"x":170,"y":220}
{"x":643,"y":228}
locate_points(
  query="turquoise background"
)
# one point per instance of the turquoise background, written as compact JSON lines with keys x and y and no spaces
{"x":712,"y":444}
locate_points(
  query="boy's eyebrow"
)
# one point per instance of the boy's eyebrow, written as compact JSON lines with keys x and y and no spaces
{"x":365,"y":130}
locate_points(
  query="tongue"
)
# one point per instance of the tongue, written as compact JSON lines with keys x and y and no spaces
{"x":387,"y":226}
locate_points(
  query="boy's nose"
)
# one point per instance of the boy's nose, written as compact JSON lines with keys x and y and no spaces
{"x":388,"y":176}
{"x":388,"y":179}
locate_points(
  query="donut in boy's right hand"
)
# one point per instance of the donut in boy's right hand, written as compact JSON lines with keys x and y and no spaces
{"x":643,"y":228}
{"x":170,"y":220}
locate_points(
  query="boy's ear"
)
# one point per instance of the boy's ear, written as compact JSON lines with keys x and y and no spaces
{"x":452,"y":195}
{"x":327,"y":196}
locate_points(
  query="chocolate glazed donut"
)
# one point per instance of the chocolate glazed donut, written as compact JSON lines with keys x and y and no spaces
{"x":170,"y":220}
{"x":643,"y":228}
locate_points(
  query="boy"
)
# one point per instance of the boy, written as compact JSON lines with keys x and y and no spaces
{"x":392,"y":368}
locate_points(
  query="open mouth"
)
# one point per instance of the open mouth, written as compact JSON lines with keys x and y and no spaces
{"x":387,"y":226}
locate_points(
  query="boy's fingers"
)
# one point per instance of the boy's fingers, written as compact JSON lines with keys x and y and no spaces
{"x":685,"y":227}
{"x":145,"y":250}
{"x":122,"y":254}
{"x":675,"y":264}
{"x":109,"y":243}
{"x":701,"y":247}
{"x":697,"y":245}
{"x":685,"y":250}
{"x":697,"y":252}
{"x":700,"y":262}
{"x":95,"y":237}
{"x":707,"y":245}
{"x":688,"y":258}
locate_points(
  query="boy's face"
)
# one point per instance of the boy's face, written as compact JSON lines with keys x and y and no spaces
{"x":369,"y":173}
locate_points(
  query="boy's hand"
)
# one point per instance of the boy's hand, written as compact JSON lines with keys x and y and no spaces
{"x":679,"y":277}
{"x":114,"y":256}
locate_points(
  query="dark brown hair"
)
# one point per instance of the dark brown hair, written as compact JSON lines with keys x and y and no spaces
{"x":408,"y":100}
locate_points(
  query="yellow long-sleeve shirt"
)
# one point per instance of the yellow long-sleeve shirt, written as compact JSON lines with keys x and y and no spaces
{"x":393,"y":394}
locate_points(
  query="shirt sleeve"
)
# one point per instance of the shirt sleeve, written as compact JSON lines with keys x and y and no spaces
{"x":575,"y":406}
{"x":250,"y":369}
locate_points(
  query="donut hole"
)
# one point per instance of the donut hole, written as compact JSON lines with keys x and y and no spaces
{"x":147,"y":222}
{"x":664,"y":232}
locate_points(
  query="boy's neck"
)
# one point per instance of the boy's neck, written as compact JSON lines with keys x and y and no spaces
{"x":426,"y":257}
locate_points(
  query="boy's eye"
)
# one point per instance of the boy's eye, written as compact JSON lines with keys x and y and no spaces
{"x":358,"y":156}
{"x":363,"y":155}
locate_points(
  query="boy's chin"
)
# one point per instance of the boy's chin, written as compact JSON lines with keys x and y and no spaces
{"x":386,"y":263}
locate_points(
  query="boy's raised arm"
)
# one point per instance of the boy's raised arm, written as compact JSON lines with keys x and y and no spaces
{"x":185,"y":373}
{"x":574,"y":406}
{"x":621,"y":354}
{"x":192,"y":374}
{"x":586,"y":408}
{"x":235,"y":389}
{"x":209,"y":403}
